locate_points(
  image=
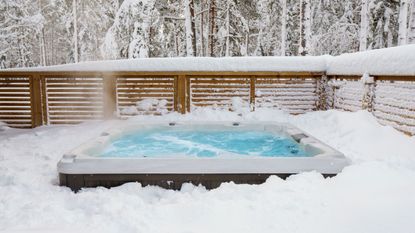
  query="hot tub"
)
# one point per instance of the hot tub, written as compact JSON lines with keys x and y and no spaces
{"x":169,"y":154}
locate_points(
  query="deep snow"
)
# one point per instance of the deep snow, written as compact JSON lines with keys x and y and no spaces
{"x":375,"y":194}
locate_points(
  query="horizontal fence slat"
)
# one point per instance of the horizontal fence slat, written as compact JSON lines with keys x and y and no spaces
{"x":15,"y":101}
{"x":82,"y":80}
{"x":74,"y":99}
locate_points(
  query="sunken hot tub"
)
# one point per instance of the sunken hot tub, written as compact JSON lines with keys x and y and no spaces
{"x":172,"y":153}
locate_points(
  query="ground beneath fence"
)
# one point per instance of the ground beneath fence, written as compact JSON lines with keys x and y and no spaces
{"x":375,"y":194}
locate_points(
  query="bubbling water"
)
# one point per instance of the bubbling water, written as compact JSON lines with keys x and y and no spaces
{"x":203,"y":143}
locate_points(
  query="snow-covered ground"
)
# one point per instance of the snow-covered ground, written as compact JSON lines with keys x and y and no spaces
{"x":375,"y":194}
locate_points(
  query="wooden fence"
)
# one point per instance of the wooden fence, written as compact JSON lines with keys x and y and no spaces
{"x":30,"y":99}
{"x":390,"y":98}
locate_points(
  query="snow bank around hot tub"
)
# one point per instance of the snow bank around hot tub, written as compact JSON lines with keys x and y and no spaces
{"x":374,"y":194}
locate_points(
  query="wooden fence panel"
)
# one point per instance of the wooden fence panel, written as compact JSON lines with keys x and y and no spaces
{"x":218,"y":91}
{"x":345,"y":94}
{"x":33,"y":99}
{"x":75,"y":99}
{"x":145,"y":95}
{"x":394,"y":104}
{"x":15,"y":101}
{"x":294,"y":95}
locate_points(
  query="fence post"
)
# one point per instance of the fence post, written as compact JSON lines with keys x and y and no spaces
{"x":322,"y":87}
{"x":187,"y":93}
{"x":110,"y":95}
{"x":368,"y":92}
{"x":252,"y":93}
{"x":45,"y":108}
{"x":36,"y":100}
{"x":180,"y":97}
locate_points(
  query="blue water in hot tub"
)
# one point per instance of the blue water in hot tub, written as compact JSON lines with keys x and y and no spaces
{"x":203,"y":143}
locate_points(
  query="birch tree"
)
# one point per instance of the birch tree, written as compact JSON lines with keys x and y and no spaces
{"x":75,"y":30}
{"x":190,"y":28}
{"x":305,"y":27}
{"x":228,"y":29}
{"x":283,"y":27}
{"x":403,"y":22}
{"x":212,"y":28}
{"x":411,"y":31}
{"x":42,"y":46}
{"x":364,"y":25}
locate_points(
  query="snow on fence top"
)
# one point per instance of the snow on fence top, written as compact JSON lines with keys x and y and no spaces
{"x":390,"y":61}
{"x":311,"y":64}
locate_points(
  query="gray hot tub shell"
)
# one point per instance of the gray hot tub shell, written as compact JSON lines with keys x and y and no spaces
{"x":79,"y":168}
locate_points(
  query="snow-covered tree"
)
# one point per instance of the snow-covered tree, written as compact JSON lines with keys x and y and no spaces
{"x":403,"y":22}
{"x":364,"y":25}
{"x":232,"y":30}
{"x":213,"y":28}
{"x":20,"y":25}
{"x":129,"y":36}
{"x":411,"y":27}
{"x":50,"y":32}
{"x":330,"y":18}
{"x":382,"y":24}
{"x":269,"y":28}
{"x":75,"y":30}
{"x":94,"y":19}
{"x":305,"y":27}
{"x":283,"y":27}
{"x":190,"y":28}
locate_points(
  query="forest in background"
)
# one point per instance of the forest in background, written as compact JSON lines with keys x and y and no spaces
{"x":51,"y":32}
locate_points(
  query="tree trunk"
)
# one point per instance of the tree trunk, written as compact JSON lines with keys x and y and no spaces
{"x":305,"y":27}
{"x":75,"y":31}
{"x":283,"y":27}
{"x":193,"y":25}
{"x":202,"y":40}
{"x":411,"y":28}
{"x":207,"y":45}
{"x":213,"y":28}
{"x":403,"y":22}
{"x":364,"y":25}
{"x":227,"y":52}
{"x":190,"y":30}
{"x":176,"y":41}
{"x":43,"y":47}
{"x":52,"y":47}
{"x":247,"y":43}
